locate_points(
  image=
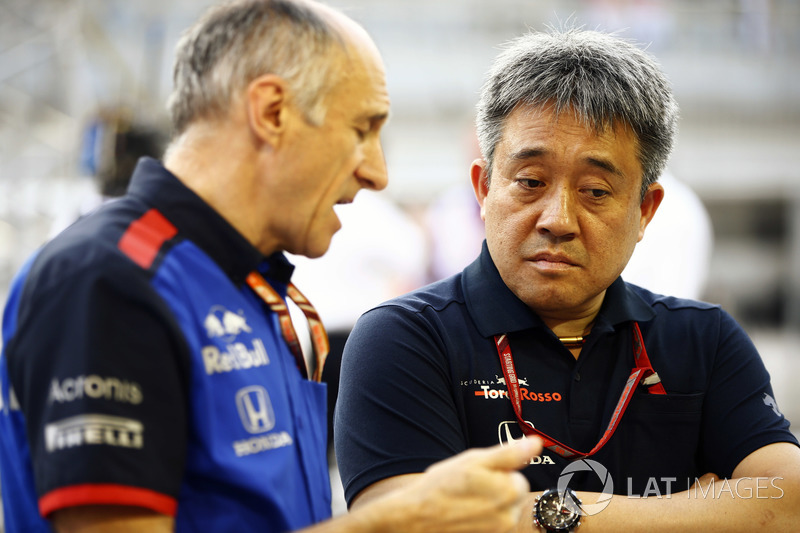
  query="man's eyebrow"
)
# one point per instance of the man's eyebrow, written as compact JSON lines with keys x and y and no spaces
{"x":599,"y":162}
{"x":606,"y":165}
{"x":528,"y":153}
{"x":377,"y":118}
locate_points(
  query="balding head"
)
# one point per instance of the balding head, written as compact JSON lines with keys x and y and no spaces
{"x":233,"y":44}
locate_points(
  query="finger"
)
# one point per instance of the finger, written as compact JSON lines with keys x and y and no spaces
{"x":705,"y":479}
{"x":521,"y":484}
{"x":516,"y":513}
{"x":511,"y":456}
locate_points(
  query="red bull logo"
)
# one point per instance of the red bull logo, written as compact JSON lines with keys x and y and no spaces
{"x":225,"y":324}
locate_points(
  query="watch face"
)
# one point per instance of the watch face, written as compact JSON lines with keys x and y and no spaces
{"x":558,"y":510}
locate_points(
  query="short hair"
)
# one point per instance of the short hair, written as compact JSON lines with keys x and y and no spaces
{"x":234,"y":43}
{"x":603,"y":79}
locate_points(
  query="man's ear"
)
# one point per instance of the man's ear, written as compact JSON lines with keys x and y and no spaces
{"x":652,"y":199}
{"x":479,"y":175}
{"x":267,"y":108}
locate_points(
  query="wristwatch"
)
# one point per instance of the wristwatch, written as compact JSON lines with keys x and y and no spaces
{"x":557,"y":511}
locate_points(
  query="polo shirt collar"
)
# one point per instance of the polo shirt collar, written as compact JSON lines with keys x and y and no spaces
{"x":492,"y":305}
{"x":621,"y":306}
{"x":200,"y":223}
{"x":497,"y":310}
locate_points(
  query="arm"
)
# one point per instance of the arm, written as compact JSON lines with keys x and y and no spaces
{"x":743,"y":440}
{"x":110,"y":519}
{"x":51,"y":373}
{"x":762,"y":495}
{"x":396,"y":413}
{"x":478,"y":490}
{"x":759,"y":490}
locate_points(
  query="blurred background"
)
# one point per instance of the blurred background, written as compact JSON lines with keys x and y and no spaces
{"x":84,"y":82}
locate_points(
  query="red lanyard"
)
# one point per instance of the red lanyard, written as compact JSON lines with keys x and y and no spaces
{"x":643,"y":371}
{"x":319,"y":338}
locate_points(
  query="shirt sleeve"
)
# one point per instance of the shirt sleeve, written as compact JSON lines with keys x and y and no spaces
{"x":96,"y":364}
{"x":395,"y":413}
{"x":740,"y":409}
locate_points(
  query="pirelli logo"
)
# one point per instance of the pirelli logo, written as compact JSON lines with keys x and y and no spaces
{"x":93,"y":429}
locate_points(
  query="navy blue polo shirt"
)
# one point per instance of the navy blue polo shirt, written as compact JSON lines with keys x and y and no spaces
{"x":421,"y":381}
{"x":138,"y":368}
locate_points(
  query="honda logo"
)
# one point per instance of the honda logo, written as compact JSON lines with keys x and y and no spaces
{"x":509,"y":431}
{"x":255,"y":409}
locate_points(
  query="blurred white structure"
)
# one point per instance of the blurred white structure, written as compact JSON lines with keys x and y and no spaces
{"x":674,"y":256}
{"x":379,"y":253}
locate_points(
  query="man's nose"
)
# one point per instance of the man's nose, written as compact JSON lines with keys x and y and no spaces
{"x":558,"y":213}
{"x":372,"y":172}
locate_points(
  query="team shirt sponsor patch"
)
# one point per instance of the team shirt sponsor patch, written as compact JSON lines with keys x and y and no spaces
{"x":258,"y":416}
{"x":236,"y":356}
{"x":93,"y":429}
{"x":228,"y":352}
{"x":494,"y":389}
{"x":95,"y":387}
{"x":508,"y":432}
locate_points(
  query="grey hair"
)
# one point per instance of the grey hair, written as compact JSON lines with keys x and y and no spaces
{"x":235,"y":43}
{"x":601,"y":78}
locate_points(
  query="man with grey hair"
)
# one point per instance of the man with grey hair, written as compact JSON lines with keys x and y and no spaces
{"x":151,"y":378}
{"x":637,"y":396}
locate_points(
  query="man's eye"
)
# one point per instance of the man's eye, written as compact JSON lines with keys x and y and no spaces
{"x":598,"y":193}
{"x":529,"y":183}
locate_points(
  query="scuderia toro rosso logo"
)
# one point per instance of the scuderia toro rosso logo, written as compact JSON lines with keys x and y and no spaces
{"x":495,"y":389}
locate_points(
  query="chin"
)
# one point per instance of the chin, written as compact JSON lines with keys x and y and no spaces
{"x":550,"y":299}
{"x":317,"y":249}
{"x":315,"y":254}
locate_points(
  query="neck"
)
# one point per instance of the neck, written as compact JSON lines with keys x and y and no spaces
{"x":573,"y":322}
{"x":224,"y":183}
{"x":572,"y":328}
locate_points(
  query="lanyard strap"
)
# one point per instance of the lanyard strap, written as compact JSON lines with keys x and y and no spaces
{"x":642,"y":371}
{"x":319,"y":337}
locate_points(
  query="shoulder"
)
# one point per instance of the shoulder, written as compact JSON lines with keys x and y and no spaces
{"x":689,"y":323}
{"x":431,"y":307}
{"x":696,"y":335}
{"x":675,"y":308}
{"x":434,"y":297}
{"x":420,"y":318}
{"x":87,"y":254}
